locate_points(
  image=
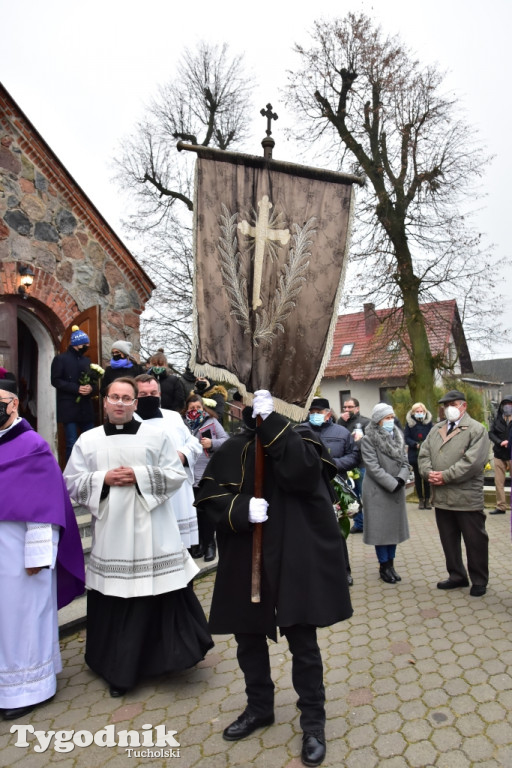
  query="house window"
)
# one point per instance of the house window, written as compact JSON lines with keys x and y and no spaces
{"x":385,"y":394}
{"x":346,"y":350}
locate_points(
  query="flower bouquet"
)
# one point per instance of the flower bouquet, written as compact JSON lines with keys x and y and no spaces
{"x":347,"y":505}
{"x":91,"y":376}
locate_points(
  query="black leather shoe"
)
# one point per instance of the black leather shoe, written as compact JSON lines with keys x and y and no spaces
{"x":210,"y":553}
{"x":350,"y":580}
{"x":449,"y":584}
{"x":17,"y":712}
{"x":356,"y":530}
{"x":196,"y":551}
{"x":497,"y":512}
{"x":116,"y":693}
{"x":478,"y":590}
{"x":313,"y":749}
{"x":245,"y":725}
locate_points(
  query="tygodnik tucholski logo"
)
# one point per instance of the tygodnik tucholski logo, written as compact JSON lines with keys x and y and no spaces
{"x":151,"y":741}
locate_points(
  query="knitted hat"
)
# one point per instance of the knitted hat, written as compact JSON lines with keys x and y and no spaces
{"x":321,"y":403}
{"x":122,"y":346}
{"x":78,"y":337}
{"x":380,"y":411}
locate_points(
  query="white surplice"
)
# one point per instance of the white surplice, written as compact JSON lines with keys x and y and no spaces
{"x":136,"y":545}
{"x":183,"y":499}
{"x":29,"y":643}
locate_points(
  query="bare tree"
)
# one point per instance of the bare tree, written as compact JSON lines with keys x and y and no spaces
{"x":371,"y":108}
{"x":208,"y":103}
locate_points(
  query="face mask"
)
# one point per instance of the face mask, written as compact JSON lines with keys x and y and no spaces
{"x":117,"y":356}
{"x":195,"y":418}
{"x":201,"y":385}
{"x":388,"y":425}
{"x":158,"y":369}
{"x":507,"y":409}
{"x":452,"y":413}
{"x":148,"y":407}
{"x":419,"y":416}
{"x":82,"y":351}
{"x":4,"y":416}
{"x":316,"y":419}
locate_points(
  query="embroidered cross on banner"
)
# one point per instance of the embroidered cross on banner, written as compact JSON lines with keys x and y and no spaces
{"x":262,"y":232}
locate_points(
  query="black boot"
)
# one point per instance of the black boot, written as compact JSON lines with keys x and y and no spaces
{"x":385,"y":573}
{"x":391,"y":564}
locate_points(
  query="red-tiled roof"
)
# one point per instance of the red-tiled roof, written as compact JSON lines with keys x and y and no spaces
{"x":372,"y":359}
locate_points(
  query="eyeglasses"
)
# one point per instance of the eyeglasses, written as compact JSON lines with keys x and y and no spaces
{"x":124,"y":400}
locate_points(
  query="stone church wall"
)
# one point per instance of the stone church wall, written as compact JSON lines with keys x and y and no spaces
{"x":47,"y":222}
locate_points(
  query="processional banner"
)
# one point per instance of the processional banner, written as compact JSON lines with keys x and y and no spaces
{"x":271,"y":248}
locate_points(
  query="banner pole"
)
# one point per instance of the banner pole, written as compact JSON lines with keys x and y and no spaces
{"x":257,"y":534}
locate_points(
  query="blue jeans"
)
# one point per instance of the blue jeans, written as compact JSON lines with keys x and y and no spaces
{"x":385,"y":552}
{"x":71,"y":433}
{"x":358,"y":519}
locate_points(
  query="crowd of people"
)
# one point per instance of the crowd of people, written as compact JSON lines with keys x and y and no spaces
{"x":165,"y":486}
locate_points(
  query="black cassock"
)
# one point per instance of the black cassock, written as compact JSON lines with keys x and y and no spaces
{"x":304,"y":573}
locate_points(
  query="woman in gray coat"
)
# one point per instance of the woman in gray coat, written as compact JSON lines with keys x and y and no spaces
{"x":387,"y":469}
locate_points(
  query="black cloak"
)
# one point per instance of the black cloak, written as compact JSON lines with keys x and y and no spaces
{"x":304,"y":574}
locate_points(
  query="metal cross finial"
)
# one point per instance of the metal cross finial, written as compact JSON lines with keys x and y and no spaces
{"x":270,"y":116}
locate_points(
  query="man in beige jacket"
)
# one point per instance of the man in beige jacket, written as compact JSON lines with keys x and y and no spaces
{"x":452,"y":459}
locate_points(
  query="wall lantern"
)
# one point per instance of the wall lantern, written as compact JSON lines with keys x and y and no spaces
{"x":27,"y":275}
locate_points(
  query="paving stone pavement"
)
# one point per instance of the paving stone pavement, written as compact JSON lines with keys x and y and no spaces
{"x":417,"y":678}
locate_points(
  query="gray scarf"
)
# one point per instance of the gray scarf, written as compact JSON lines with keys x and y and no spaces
{"x":389,"y":443}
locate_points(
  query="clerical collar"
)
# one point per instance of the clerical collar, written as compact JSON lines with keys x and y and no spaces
{"x":16,"y":421}
{"x":130,"y":428}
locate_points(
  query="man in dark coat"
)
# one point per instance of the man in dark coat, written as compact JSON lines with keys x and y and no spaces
{"x":343,"y":450}
{"x":303,"y":583}
{"x":356,"y":423}
{"x":74,"y":399}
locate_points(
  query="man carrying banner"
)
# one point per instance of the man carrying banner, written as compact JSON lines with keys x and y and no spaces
{"x":271,"y":247}
{"x":303,"y":584}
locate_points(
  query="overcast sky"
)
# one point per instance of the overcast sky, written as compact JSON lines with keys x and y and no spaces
{"x":82,"y":73}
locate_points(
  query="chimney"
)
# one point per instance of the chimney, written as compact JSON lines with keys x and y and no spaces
{"x":370,"y":319}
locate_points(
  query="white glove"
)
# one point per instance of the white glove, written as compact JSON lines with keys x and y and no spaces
{"x":262,"y":404}
{"x":258,"y":510}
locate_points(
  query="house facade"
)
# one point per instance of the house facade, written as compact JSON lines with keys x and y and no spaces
{"x":369,"y":356}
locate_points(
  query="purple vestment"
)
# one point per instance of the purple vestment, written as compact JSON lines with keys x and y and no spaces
{"x":34,"y":491}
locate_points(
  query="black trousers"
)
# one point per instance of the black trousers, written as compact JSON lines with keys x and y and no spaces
{"x":307,"y":674}
{"x":422,"y":486}
{"x":470,"y":525}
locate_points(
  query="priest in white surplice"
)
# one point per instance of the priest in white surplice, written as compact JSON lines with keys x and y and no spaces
{"x":142,"y":615}
{"x":189,"y":449}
